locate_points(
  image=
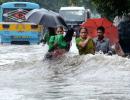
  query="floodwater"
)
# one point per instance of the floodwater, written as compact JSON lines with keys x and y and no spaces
{"x":26,"y":75}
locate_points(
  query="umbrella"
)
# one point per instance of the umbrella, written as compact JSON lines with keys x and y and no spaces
{"x":59,"y":18}
{"x":111,"y":31}
{"x":45,"y":17}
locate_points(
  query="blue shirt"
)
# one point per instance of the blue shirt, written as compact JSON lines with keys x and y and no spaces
{"x":102,"y":45}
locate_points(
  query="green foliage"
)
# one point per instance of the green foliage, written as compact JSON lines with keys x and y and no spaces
{"x":112,"y":8}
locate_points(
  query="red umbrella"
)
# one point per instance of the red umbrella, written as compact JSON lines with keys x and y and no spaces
{"x":111,"y":31}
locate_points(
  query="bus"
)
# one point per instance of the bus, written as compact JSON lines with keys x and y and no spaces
{"x":14,"y":28}
{"x":74,"y":16}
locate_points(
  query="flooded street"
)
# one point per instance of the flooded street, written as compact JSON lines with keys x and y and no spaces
{"x":26,"y":75}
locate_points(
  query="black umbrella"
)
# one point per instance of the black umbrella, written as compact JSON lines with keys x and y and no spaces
{"x":45,"y":18}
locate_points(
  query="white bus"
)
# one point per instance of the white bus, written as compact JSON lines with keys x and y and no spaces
{"x":74,"y":16}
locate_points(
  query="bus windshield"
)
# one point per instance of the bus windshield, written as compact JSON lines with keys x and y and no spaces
{"x":73,"y":15}
{"x":14,"y":15}
{"x":16,"y":11}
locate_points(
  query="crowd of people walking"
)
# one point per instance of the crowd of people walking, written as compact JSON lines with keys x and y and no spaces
{"x":59,"y":42}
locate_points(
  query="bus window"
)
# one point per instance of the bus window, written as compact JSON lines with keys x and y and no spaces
{"x":13,"y":15}
{"x":16,"y":11}
{"x":20,"y":5}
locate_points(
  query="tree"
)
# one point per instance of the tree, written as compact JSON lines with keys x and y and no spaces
{"x":112,"y":8}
